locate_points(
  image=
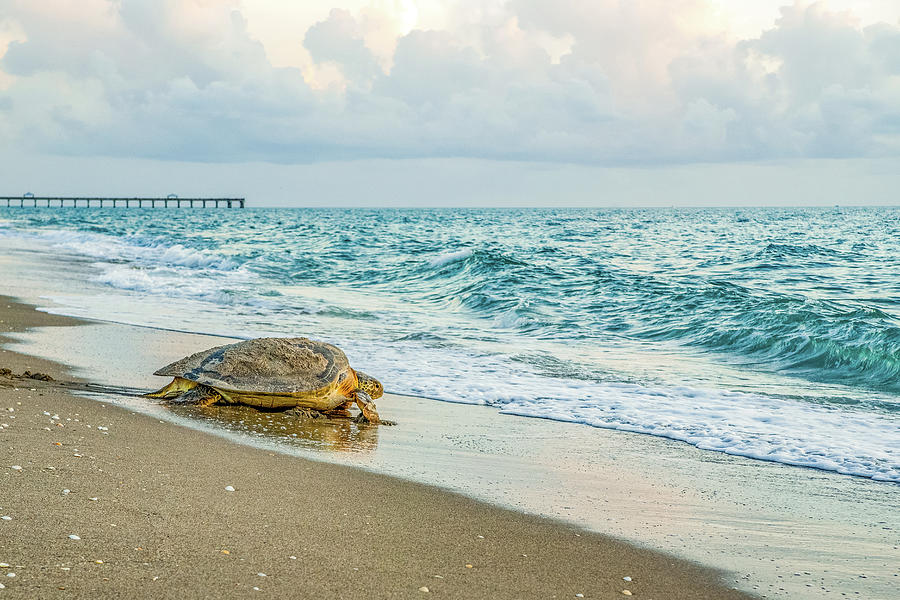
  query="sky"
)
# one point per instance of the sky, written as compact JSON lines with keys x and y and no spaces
{"x":454,"y":103}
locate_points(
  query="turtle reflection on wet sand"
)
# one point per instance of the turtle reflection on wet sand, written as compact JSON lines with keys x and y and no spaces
{"x":312,"y":377}
{"x":284,"y":428}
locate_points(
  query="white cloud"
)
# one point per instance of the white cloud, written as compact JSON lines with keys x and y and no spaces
{"x":601,"y":82}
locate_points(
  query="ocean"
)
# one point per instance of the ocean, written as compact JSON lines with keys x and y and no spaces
{"x":772,"y":334}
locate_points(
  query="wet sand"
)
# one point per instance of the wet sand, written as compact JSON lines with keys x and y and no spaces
{"x":149,"y":500}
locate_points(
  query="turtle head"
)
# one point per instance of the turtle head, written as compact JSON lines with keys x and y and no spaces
{"x":370,"y":385}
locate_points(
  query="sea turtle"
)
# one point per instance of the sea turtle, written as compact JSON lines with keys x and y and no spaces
{"x":313,"y":377}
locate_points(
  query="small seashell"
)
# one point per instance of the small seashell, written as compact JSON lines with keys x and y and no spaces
{"x":99,"y":562}
{"x":94,"y":499}
{"x":226,"y":552}
{"x":229,"y":488}
{"x":262,"y":574}
{"x":74,"y":537}
{"x":292,"y":557}
{"x":579,"y":595}
{"x":424,"y":589}
{"x":66,"y":492}
{"x":16,"y":468}
{"x":10,"y":574}
{"x":626,"y":579}
{"x":626,"y":593}
{"x":6,"y":518}
{"x":2,"y":587}
{"x":468,"y":566}
{"x":4,"y":565}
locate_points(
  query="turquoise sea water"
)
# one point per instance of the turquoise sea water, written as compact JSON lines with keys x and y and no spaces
{"x":769,"y":333}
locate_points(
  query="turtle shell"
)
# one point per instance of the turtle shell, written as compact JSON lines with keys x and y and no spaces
{"x":268,"y":365}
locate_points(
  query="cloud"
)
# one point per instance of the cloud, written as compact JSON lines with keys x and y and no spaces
{"x":655,"y":82}
{"x":340,"y":39}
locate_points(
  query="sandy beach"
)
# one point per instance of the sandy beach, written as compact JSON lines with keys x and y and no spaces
{"x":148,"y":502}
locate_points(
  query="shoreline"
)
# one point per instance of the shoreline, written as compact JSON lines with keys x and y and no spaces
{"x":768,"y":529}
{"x":162,"y":520}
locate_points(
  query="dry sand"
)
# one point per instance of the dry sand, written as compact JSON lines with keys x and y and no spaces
{"x":149,"y":500}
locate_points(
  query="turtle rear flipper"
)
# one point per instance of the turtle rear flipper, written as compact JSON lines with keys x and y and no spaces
{"x":185,"y":391}
{"x":178,"y":387}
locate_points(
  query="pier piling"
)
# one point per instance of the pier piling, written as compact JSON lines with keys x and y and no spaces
{"x":31,"y":201}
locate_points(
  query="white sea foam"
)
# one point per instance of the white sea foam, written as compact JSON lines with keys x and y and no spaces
{"x":149,"y":251}
{"x":150,"y":266}
{"x":446,"y":259}
{"x":790,"y":431}
{"x":171,"y":282}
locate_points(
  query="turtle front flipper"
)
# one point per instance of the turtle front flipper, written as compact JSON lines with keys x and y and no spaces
{"x":367,"y":406}
{"x":368,"y":414}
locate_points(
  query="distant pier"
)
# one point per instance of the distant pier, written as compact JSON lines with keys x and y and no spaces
{"x":173,"y":201}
